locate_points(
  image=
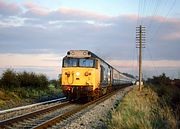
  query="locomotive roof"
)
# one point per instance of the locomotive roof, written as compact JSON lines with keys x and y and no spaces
{"x":81,"y":54}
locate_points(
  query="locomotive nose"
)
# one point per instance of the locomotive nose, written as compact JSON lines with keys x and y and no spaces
{"x":77,"y":77}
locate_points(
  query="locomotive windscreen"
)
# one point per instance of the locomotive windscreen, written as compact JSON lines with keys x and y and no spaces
{"x":78,"y":62}
{"x":70,"y":62}
{"x":86,"y":62}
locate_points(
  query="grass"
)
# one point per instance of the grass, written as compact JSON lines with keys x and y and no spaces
{"x":22,"y":96}
{"x":143,"y":110}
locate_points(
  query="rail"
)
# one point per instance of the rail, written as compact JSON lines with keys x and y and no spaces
{"x":66,"y":115}
{"x":32,"y":105}
{"x":8,"y":122}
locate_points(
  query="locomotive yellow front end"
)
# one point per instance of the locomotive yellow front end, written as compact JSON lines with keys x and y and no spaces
{"x":79,"y":74}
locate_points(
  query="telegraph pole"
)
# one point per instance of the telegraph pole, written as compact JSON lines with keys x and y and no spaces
{"x":140,"y":43}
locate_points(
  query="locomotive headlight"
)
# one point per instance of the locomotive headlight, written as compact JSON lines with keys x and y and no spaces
{"x":77,"y":73}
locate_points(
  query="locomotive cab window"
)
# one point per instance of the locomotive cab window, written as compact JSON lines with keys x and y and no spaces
{"x":87,"y":63}
{"x":70,"y":62}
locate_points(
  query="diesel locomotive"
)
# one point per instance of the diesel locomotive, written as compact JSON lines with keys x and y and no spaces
{"x":85,"y":75}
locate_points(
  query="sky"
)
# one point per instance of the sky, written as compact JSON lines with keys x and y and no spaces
{"x":36,"y":34}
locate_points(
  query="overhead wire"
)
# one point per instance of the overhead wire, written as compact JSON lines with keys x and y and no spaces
{"x":149,"y":6}
{"x":144,"y":12}
{"x":138,"y":13}
{"x":134,"y":47}
{"x":157,"y":7}
{"x":144,"y":15}
{"x":155,"y":34}
{"x":154,"y":13}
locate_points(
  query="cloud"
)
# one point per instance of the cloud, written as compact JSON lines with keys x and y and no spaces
{"x":35,"y":10}
{"x":146,"y":63}
{"x":150,"y":67}
{"x":54,"y":35}
{"x":30,"y":60}
{"x":62,"y":14}
{"x":9,"y":9}
{"x":172,"y":36}
{"x":79,"y":14}
{"x":12,"y":21}
{"x":48,"y":64}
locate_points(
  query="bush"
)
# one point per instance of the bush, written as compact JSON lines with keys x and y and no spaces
{"x":25,"y":79}
{"x":55,"y":83}
{"x":32,"y":80}
{"x":159,"y":80}
{"x":166,"y":89}
{"x":9,"y":79}
{"x":43,"y":81}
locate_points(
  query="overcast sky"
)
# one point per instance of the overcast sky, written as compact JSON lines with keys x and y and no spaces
{"x":36,"y":34}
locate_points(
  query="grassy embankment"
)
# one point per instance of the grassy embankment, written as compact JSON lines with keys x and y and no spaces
{"x":155,"y":107}
{"x":23,"y":88}
{"x":23,"y":96}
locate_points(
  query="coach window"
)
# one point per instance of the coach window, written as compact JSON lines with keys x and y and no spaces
{"x":86,"y":63}
{"x":70,"y":62}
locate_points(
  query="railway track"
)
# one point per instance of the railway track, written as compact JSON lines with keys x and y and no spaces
{"x":14,"y":112}
{"x":53,"y":123}
{"x":51,"y":116}
{"x":31,"y":119}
